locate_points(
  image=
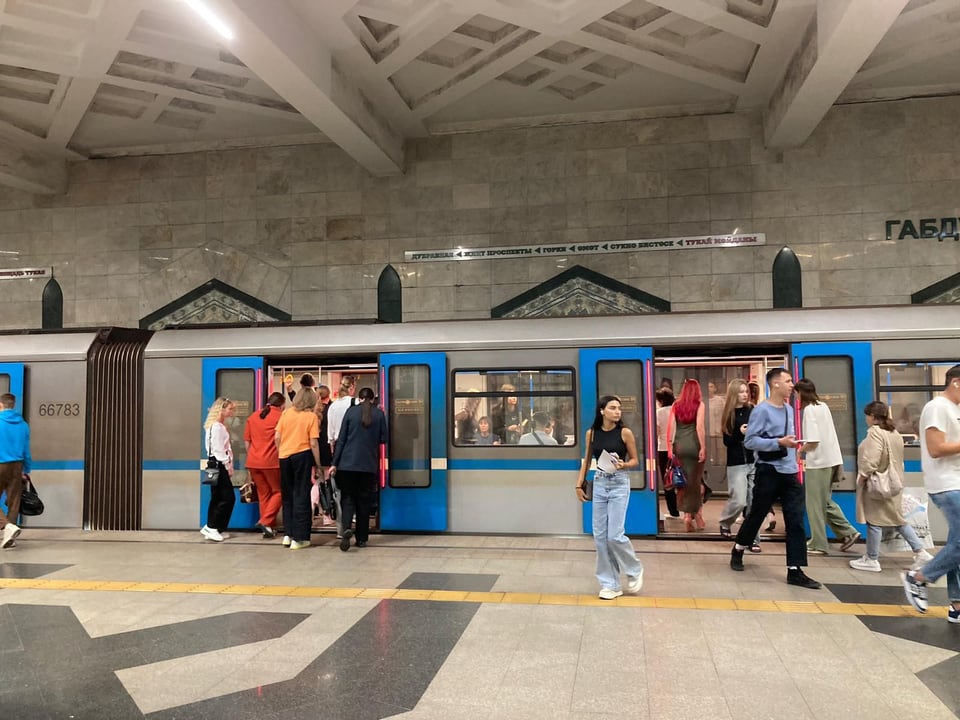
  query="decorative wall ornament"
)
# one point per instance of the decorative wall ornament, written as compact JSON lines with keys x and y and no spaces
{"x":579,"y":292}
{"x":943,"y":292}
{"x":213,"y":303}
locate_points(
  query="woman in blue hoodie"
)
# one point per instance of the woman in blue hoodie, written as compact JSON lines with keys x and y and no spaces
{"x":14,"y":462}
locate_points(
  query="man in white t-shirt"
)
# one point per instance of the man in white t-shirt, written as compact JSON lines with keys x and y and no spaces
{"x":940,"y":460}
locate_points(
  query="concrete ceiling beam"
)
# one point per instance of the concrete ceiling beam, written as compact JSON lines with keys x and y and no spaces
{"x":836,"y":42}
{"x":271,"y":40}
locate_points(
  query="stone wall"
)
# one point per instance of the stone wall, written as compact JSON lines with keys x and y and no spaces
{"x":309,"y":231}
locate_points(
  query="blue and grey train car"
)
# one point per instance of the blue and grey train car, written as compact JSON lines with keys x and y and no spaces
{"x":436,"y":480}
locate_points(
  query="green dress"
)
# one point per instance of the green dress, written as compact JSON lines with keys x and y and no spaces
{"x":686,"y":448}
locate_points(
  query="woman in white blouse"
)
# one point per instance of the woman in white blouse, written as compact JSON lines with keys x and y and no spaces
{"x":217,"y":439}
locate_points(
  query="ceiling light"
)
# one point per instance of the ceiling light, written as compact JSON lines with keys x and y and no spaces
{"x":213,"y":21}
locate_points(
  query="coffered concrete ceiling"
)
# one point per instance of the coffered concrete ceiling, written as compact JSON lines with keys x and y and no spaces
{"x":94,"y":78}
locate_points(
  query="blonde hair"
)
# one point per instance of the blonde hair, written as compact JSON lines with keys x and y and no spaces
{"x":305,"y":399}
{"x":216,"y":411}
{"x":730,"y":404}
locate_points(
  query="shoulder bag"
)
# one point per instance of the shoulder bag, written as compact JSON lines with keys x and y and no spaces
{"x":587,"y":485}
{"x":886,"y":484}
{"x":212,"y":470}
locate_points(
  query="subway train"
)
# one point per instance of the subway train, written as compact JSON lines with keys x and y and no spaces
{"x":116,"y":414}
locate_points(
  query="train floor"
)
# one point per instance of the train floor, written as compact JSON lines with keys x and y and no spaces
{"x":164,"y":625}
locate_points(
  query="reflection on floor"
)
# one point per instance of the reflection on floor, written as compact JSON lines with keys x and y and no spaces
{"x":712,"y":510}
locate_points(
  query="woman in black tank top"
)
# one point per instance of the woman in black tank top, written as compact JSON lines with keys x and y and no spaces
{"x":611,"y":493}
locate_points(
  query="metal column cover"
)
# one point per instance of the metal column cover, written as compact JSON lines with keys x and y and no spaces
{"x":113,"y":487}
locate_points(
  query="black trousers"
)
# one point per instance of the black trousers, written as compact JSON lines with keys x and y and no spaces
{"x":669,"y":495}
{"x":295,"y":486}
{"x":768,"y":487}
{"x":356,"y":494}
{"x":222,"y":498}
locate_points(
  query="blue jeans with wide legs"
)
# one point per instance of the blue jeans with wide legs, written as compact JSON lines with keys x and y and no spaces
{"x":615,"y":556}
{"x":947,"y":561}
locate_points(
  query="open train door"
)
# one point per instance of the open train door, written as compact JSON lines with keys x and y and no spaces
{"x":628,"y":374}
{"x":413,"y":494}
{"x":241,"y":380}
{"x":843,"y":374}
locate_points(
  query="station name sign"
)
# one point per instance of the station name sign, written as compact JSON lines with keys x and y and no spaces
{"x":521,"y":251}
{"x":941,"y":229}
{"x":25,"y":273}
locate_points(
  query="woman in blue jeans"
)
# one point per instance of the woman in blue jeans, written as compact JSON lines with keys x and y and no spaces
{"x":611,"y":493}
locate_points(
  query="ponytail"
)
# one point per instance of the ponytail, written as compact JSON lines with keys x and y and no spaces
{"x":366,"y":407}
{"x":275,"y":400}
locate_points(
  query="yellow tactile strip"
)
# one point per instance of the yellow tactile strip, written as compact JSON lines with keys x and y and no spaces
{"x":678,"y":603}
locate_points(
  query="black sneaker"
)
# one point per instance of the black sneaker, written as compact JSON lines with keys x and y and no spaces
{"x":736,"y":560}
{"x":798,"y":578}
{"x":345,"y":540}
{"x":915,"y":591}
{"x":361,"y":543}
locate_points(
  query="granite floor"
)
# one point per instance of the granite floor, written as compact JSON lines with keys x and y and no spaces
{"x":165,"y":625}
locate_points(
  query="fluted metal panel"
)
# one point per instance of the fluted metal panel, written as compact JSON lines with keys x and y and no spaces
{"x":114,"y":483}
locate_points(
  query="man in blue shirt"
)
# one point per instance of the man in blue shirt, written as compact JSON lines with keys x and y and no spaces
{"x":14,"y":462}
{"x":771,"y":433}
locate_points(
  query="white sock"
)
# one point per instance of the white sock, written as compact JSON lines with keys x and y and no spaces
{"x":738,"y":546}
{"x":792,"y":567}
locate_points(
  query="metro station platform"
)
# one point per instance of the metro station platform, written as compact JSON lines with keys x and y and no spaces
{"x":164,"y":625}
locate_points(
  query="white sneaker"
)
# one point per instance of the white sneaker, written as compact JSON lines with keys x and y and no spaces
{"x":299,"y":545}
{"x":921,"y":559}
{"x":635,"y":584}
{"x":211,"y":534}
{"x":287,"y":541}
{"x":610,"y":594}
{"x":10,"y":532}
{"x":865,"y":563}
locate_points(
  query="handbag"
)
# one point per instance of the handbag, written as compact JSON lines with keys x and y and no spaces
{"x":587,"y":485}
{"x":211,"y":472}
{"x":30,"y":502}
{"x":677,"y":478}
{"x":329,"y":507}
{"x":248,"y":492}
{"x":883,"y":485}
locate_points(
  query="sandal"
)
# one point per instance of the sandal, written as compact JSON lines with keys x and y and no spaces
{"x":755,"y":547}
{"x":725,"y":533}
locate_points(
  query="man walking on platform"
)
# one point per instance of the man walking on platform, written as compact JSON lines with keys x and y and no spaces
{"x":940,"y":461}
{"x":771,"y":433}
{"x":14,"y":462}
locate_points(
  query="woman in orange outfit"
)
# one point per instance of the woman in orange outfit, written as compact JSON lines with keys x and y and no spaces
{"x":263,"y":463}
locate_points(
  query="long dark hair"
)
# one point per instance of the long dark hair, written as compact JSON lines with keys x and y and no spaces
{"x":879,"y":411}
{"x":366,"y":406}
{"x":598,"y":418}
{"x":275,"y":400}
{"x":807,"y":392}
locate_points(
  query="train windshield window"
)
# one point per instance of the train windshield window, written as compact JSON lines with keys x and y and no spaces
{"x":408,"y":423}
{"x":529,"y":407}
{"x":833,"y":377}
{"x":906,"y":387}
{"x":239,"y":386}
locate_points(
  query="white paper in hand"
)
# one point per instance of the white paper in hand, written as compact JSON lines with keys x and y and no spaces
{"x":606,"y":462}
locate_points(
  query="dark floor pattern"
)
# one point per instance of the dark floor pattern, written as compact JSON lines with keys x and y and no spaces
{"x":881,"y":594}
{"x":50,"y":668}
{"x":29,"y":571}
{"x":380,"y":667}
{"x":464,"y":582}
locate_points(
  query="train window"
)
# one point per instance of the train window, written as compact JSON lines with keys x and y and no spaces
{"x":4,"y":383}
{"x":624,"y":378}
{"x":906,"y":387}
{"x":514,"y":407}
{"x":833,"y":377}
{"x":409,"y":426}
{"x":239,"y":386}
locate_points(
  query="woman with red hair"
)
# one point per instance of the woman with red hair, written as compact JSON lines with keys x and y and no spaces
{"x":686,"y":442}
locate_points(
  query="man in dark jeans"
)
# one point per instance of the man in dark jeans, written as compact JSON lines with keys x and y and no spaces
{"x":771,"y":433}
{"x":14,"y":462}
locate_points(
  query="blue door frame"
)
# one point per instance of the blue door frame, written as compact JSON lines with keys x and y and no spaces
{"x":244,"y":515}
{"x":418,"y":508}
{"x":861,"y":361}
{"x":642,"y":511}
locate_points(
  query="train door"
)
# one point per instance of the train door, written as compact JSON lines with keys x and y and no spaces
{"x":843,"y":374}
{"x":11,"y":381}
{"x":628,"y":374}
{"x":241,"y":380}
{"x":414,"y":485}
